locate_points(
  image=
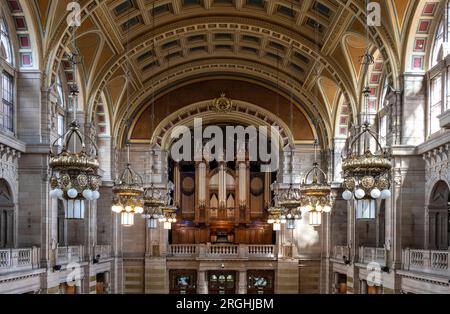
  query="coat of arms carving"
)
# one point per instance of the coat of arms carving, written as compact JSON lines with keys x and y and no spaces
{"x":222,"y":104}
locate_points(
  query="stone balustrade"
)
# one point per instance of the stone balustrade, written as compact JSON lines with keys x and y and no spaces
{"x":103,"y":251}
{"x":372,"y":255}
{"x":69,"y":254}
{"x":427,"y":261}
{"x":185,"y":250}
{"x":341,"y":252}
{"x":222,"y":251}
{"x":12,"y":260}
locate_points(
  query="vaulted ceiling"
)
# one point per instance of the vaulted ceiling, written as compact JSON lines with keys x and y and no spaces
{"x":307,"y":49}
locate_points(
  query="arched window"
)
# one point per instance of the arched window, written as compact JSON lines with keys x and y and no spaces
{"x":438,"y":41}
{"x":60,"y":110}
{"x":6,"y":114}
{"x":6,"y":80}
{"x":383,"y":115}
{"x":435,"y":103}
{"x":5,"y":43}
{"x":439,"y":76}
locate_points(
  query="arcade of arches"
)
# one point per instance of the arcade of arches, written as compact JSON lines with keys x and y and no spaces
{"x":146,"y":69}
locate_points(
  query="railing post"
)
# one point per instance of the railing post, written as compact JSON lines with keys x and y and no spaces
{"x":243,"y":251}
{"x":406,"y":258}
{"x":448,"y":263}
{"x":427,"y":259}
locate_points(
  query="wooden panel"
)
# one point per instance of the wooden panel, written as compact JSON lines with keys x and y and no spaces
{"x":187,"y":194}
{"x":210,"y":89}
{"x":182,"y":234}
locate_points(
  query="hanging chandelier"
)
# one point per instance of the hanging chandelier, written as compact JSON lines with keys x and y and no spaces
{"x":274,"y":218}
{"x":366,"y":171}
{"x":316,"y":195}
{"x":169,"y":212}
{"x":367,"y":174}
{"x":289,"y":201}
{"x":74,"y":175}
{"x":153,"y":206}
{"x":74,"y":165}
{"x":127,"y":193}
{"x":284,"y":209}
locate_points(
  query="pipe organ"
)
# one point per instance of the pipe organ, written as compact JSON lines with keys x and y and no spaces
{"x":221,"y":202}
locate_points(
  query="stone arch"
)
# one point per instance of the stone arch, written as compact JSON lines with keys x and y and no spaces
{"x":230,"y":70}
{"x":244,"y":112}
{"x":423,"y":22}
{"x":437,"y":216}
{"x":27,"y":44}
{"x":7,"y":214}
{"x":342,"y":118}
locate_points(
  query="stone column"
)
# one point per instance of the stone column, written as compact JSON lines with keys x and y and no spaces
{"x":202,"y":284}
{"x":107,"y":282}
{"x":242,"y":283}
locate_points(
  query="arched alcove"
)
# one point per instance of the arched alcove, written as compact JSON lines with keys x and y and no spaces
{"x":438,"y":217}
{"x":6,"y":215}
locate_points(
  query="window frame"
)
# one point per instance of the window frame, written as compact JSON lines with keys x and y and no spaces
{"x":438,"y":68}
{"x":9,"y":126}
{"x":435,"y":103}
{"x":61,"y":108}
{"x":5,"y":37}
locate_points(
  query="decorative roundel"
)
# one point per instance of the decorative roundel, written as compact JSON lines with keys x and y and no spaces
{"x":82,"y":180}
{"x":65,"y":180}
{"x":349,"y":183}
{"x":188,"y":185}
{"x":256,"y":186}
{"x":383,"y":183}
{"x":368,"y":182}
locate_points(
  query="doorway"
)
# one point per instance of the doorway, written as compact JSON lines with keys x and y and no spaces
{"x":221,"y":282}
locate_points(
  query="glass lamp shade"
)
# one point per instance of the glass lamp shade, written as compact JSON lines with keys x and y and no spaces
{"x":74,"y":209}
{"x":290,"y":224}
{"x":152,"y":223}
{"x":365,"y":209}
{"x":117,"y":208}
{"x":167,"y":225}
{"x":276,"y":226}
{"x":315,"y":218}
{"x":127,"y":219}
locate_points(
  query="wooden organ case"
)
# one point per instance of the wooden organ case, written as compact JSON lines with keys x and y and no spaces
{"x":221,"y":202}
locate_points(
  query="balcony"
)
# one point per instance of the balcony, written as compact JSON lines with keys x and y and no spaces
{"x":341,"y":253}
{"x":372,"y":255}
{"x":427,"y":261}
{"x":222,"y":251}
{"x":14,"y":260}
{"x":69,"y":254}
